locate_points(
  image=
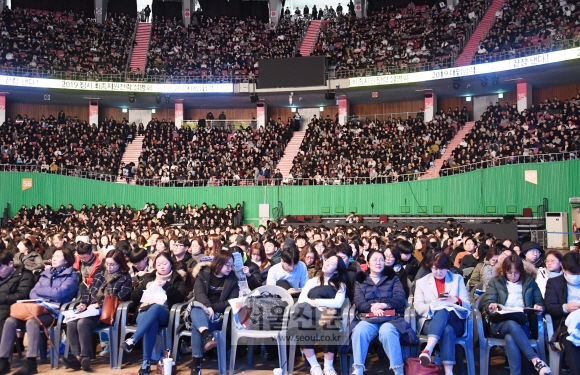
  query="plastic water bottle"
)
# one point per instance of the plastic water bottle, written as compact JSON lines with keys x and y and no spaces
{"x":263,"y":352}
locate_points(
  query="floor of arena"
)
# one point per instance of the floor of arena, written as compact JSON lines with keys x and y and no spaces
{"x":260,"y":366}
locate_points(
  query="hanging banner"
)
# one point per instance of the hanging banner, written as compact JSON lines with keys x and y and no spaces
{"x":94,"y":113}
{"x":26,"y":183}
{"x":179,"y":115}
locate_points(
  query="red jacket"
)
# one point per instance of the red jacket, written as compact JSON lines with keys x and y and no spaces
{"x":96,"y":264}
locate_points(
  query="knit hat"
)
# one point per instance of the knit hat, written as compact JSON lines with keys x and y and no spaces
{"x":529,"y":246}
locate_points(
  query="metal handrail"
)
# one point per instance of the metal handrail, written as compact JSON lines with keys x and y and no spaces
{"x":229,"y":124}
{"x":381,"y":179}
{"x":128,"y":64}
{"x":382,"y":116}
{"x":72,"y":172}
{"x":283,"y":181}
{"x":519,"y":159}
{"x":526,"y":51}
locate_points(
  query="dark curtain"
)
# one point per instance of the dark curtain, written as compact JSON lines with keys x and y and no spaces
{"x":167,"y":9}
{"x":376,"y":5}
{"x":235,"y":8}
{"x":122,"y":6}
{"x":77,"y":6}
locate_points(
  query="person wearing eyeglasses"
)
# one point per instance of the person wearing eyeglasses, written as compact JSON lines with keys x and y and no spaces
{"x":115,"y":280}
{"x":215,"y":284}
{"x":534,"y":253}
{"x":553,"y":269}
{"x":513,"y":288}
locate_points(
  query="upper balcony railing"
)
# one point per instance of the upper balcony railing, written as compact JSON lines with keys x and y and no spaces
{"x":235,"y":76}
{"x":291,"y":181}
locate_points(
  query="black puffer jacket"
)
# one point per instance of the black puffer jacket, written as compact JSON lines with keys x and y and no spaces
{"x":14,"y":287}
{"x":174,"y":288}
{"x":201,"y":288}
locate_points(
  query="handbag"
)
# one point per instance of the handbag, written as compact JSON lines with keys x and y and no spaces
{"x":370,"y":317}
{"x":27,"y":310}
{"x":30,"y":310}
{"x":413,"y":366}
{"x":109,"y":309}
{"x":558,"y":339}
{"x":266,"y":310}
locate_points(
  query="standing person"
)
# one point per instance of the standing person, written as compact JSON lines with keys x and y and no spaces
{"x":147,"y":13}
{"x":215,"y":284}
{"x":441,"y":326}
{"x":115,"y":280}
{"x":58,"y":284}
{"x":314,"y":15}
{"x":306,"y":11}
{"x":513,"y":288}
{"x":375,"y":291}
{"x":151,"y":316}
{"x":15,"y":284}
{"x":562,"y":299}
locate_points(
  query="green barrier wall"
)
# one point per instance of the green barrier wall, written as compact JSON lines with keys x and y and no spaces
{"x":473,"y":193}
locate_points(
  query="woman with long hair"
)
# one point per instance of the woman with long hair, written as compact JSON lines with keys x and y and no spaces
{"x":215,"y":284}
{"x":151,"y":316}
{"x":115,"y":280}
{"x":322,"y":296}
{"x":513,"y":288}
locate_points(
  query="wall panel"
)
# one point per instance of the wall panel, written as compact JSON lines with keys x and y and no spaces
{"x":231,"y":113}
{"x":398,"y":109}
{"x":562,"y":92}
{"x":465,"y":194}
{"x":38,"y":110}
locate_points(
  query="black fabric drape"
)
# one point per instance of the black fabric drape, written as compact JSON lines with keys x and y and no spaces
{"x":122,"y":6}
{"x":235,"y":8}
{"x":167,"y":9}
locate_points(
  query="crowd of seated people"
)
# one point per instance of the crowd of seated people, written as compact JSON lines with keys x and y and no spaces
{"x":503,"y":135}
{"x":64,"y":41}
{"x":529,"y":24}
{"x":210,"y":156}
{"x":366,"y":151}
{"x":372,"y":267}
{"x":398,"y":37}
{"x":65,"y":145}
{"x":219,"y":46}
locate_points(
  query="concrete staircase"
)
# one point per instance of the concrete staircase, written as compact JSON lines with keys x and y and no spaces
{"x":480,"y":32}
{"x":434,"y":172}
{"x":310,"y":38}
{"x":290,"y":152}
{"x":139,"y":54}
{"x":132,"y":152}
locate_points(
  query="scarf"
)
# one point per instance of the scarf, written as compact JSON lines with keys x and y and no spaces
{"x":165,"y":278}
{"x":54,"y":272}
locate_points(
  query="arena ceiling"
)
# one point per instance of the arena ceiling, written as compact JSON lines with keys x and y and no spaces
{"x":543,"y":76}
